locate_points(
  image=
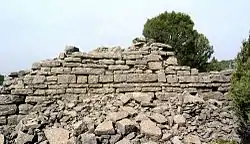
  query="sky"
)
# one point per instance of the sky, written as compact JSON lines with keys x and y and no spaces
{"x":35,"y":30}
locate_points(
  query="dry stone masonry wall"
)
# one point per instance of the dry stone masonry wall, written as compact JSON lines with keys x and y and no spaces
{"x":116,"y":96}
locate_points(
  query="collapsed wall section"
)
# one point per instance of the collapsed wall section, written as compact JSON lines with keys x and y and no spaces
{"x":146,"y":72}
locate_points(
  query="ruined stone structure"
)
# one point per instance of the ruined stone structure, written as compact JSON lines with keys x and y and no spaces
{"x":117,"y":96}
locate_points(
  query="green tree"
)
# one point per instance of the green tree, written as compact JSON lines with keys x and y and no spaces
{"x":177,"y":29}
{"x":215,"y":65}
{"x":240,"y":89}
{"x":1,"y":79}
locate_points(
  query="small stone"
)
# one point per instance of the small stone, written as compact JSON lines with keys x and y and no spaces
{"x":141,"y":117}
{"x":124,"y":141}
{"x":159,"y":118}
{"x":192,"y":139}
{"x":115,"y":138}
{"x":131,"y":111}
{"x":176,"y":140}
{"x":180,"y":120}
{"x":149,"y":128}
{"x":126,"y":126}
{"x":23,"y":138}
{"x":2,"y":140}
{"x":88,"y":138}
{"x":57,"y":135}
{"x":155,"y":65}
{"x":131,"y":136}
{"x":105,"y":128}
{"x":172,"y":61}
{"x":115,"y":116}
{"x":166,"y":136}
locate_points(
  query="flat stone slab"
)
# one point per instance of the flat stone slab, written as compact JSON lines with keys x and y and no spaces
{"x":149,"y":128}
{"x":57,"y":135}
{"x":105,"y":128}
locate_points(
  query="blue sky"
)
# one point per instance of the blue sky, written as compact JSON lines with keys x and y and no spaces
{"x":34,"y":30}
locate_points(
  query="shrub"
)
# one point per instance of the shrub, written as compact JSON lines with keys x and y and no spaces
{"x":240,"y":89}
{"x":176,"y":29}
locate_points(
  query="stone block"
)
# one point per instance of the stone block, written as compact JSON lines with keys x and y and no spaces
{"x":60,"y":70}
{"x":8,"y":109}
{"x":188,"y":79}
{"x":51,"y":78}
{"x":172,"y":79}
{"x":38,"y":79}
{"x":21,"y":91}
{"x":24,"y":108}
{"x":183,"y":73}
{"x":161,"y":77}
{"x":34,"y":99}
{"x":82,"y":79}
{"x":142,"y":77}
{"x":93,"y":79}
{"x":3,"y":120}
{"x":106,"y":78}
{"x":107,"y":61}
{"x":172,"y":61}
{"x":66,"y":79}
{"x":90,"y":71}
{"x":165,"y":95}
{"x":72,"y":59}
{"x":118,"y":67}
{"x":11,"y":99}
{"x":155,"y":65}
{"x":120,"y":77}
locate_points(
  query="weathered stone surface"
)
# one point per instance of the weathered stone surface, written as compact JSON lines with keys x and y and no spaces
{"x":176,"y":140}
{"x":192,"y":139}
{"x":8,"y":109}
{"x":126,"y":126}
{"x":161,"y":77}
{"x":142,"y":97}
{"x":93,"y":79}
{"x":180,"y":120}
{"x":88,"y":138}
{"x":2,"y":139}
{"x":120,"y":77}
{"x":155,"y":65}
{"x":165,"y":95}
{"x":172,"y":79}
{"x":142,"y":77}
{"x":118,"y":67}
{"x":105,"y":128}
{"x":23,"y":138}
{"x":172,"y":61}
{"x":82,"y":79}
{"x":66,"y":79}
{"x":159,"y":118}
{"x":115,"y":116}
{"x":38,"y":79}
{"x":11,"y":99}
{"x":130,"y":110}
{"x":124,"y":141}
{"x":106,"y":78}
{"x":57,"y":135}
{"x":149,"y":128}
{"x":3,"y":120}
{"x":90,"y":71}
{"x":24,"y":108}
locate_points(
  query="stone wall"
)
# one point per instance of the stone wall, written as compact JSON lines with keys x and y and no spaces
{"x":133,"y":95}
